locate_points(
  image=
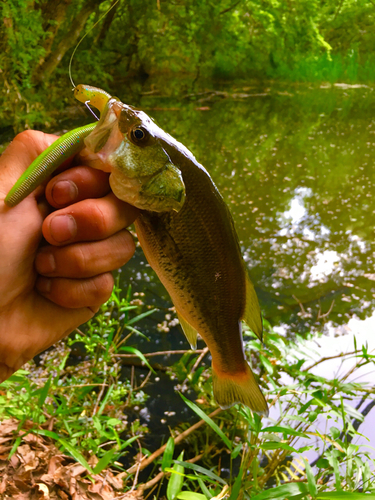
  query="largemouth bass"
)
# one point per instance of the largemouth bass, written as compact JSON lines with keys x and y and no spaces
{"x":187,"y":234}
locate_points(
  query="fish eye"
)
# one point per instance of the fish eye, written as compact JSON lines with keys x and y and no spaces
{"x":139,"y":134}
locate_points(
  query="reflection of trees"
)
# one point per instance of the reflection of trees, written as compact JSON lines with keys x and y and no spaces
{"x":261,"y":152}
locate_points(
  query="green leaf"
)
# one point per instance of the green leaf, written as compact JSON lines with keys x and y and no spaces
{"x":312,"y":416}
{"x":104,"y":461}
{"x":190,"y":495}
{"x":345,"y":495}
{"x":112,"y":422}
{"x":335,"y":465}
{"x":335,"y":432}
{"x":168,"y":454}
{"x":311,"y":479}
{"x":176,"y":480}
{"x":208,"y":421}
{"x":322,"y":463}
{"x":128,"y":441}
{"x":236,"y":451}
{"x":105,"y":399}
{"x":267,"y":364}
{"x":14,"y":447}
{"x":283,"y":491}
{"x":269,"y":445}
{"x":140,"y":316}
{"x":204,"y":488}
{"x":236,"y":486}
{"x":202,"y":470}
{"x":44,"y":392}
{"x":284,"y":430}
{"x":138,"y":353}
{"x":73,"y":451}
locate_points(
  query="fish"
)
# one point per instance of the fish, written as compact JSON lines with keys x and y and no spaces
{"x":188,"y":237}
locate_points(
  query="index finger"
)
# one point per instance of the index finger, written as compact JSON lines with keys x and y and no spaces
{"x":76,"y":184}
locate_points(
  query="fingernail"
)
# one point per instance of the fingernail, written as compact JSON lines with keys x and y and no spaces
{"x":45,"y":262}
{"x":63,"y":228}
{"x":44,"y":285}
{"x":64,"y":192}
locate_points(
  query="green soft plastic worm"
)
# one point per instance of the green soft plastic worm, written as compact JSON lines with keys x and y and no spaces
{"x":64,"y":147}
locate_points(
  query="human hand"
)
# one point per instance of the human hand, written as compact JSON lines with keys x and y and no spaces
{"x":47,"y":290}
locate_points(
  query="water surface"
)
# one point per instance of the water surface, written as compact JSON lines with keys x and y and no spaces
{"x":296,"y":169}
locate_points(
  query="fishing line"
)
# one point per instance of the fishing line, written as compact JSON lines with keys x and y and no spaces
{"x":79,"y":43}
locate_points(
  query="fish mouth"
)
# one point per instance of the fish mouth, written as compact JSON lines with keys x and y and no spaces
{"x":142,"y":173}
{"x":104,"y":139}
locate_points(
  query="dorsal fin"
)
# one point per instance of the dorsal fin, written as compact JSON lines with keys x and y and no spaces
{"x":190,"y":333}
{"x":252,"y":315}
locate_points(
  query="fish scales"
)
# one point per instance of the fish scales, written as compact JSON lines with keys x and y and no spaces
{"x":196,"y":255}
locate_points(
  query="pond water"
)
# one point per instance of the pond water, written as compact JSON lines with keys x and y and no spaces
{"x":296,"y":169}
{"x":295,"y":166}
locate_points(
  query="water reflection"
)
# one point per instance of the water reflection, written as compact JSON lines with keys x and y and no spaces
{"x":296,"y":171}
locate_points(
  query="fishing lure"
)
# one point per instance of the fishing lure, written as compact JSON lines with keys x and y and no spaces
{"x":66,"y":146}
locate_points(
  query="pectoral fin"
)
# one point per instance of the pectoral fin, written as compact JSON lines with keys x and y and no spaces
{"x":190,"y":333}
{"x":252,"y":315}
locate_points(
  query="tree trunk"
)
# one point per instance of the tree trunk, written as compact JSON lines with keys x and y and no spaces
{"x":45,"y":70}
{"x":107,"y":23}
{"x":53,"y":13}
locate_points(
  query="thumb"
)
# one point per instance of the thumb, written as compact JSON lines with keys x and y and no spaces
{"x":20,"y":153}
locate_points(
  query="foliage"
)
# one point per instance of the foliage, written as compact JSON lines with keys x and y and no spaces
{"x":300,"y":40}
{"x":85,"y":401}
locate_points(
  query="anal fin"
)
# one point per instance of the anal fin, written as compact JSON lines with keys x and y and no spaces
{"x":252,"y":315}
{"x":190,"y":333}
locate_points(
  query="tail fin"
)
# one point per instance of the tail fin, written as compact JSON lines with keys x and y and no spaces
{"x":238,"y":388}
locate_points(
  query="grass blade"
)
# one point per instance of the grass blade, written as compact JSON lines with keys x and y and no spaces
{"x":140,"y":316}
{"x":345,"y":495}
{"x":208,"y":421}
{"x":311,"y":479}
{"x":176,"y":480}
{"x":73,"y":451}
{"x":283,"y":491}
{"x":104,"y":461}
{"x":138,"y":353}
{"x":202,"y":470}
{"x":168,"y":454}
{"x":236,"y":486}
{"x":190,"y":495}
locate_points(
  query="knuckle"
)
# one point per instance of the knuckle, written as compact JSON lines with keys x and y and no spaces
{"x":98,"y":220}
{"x":80,"y":263}
{"x":24,"y":136}
{"x":100,"y":288}
{"x":125,"y":248}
